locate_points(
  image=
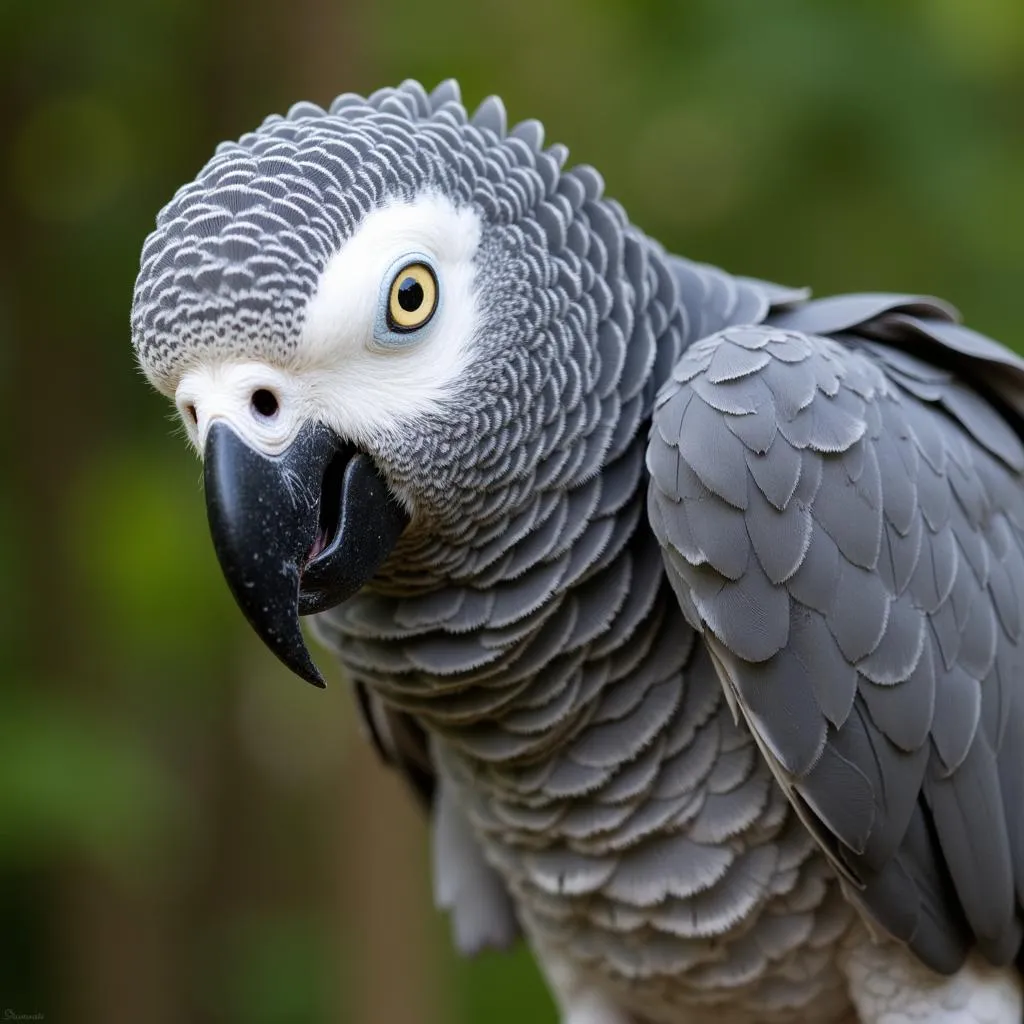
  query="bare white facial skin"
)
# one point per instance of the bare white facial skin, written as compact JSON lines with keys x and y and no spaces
{"x":341,"y":374}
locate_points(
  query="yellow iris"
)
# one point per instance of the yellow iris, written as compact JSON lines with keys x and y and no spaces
{"x":413,"y":297}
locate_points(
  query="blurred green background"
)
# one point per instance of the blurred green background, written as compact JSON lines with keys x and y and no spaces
{"x":187,"y":834}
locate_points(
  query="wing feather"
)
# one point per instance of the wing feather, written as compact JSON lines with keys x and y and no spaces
{"x":839,"y":494}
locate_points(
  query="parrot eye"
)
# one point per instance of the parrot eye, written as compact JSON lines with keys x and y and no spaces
{"x":412,"y":297}
{"x":409,"y":298}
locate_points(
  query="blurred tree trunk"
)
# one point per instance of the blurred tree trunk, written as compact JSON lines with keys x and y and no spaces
{"x":383,"y":897}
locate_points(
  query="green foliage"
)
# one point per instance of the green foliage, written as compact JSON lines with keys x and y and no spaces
{"x":856,"y":144}
{"x":271,"y":969}
{"x":139,"y":538}
{"x":501,"y":987}
{"x":75,"y":783}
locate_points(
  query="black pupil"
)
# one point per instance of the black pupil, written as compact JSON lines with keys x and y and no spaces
{"x":410,"y":294}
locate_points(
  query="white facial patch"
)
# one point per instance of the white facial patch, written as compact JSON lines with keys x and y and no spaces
{"x":341,"y":374}
{"x":264,"y":405}
{"x":361,"y":388}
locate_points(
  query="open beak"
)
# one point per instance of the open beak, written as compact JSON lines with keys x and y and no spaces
{"x":296,"y":533}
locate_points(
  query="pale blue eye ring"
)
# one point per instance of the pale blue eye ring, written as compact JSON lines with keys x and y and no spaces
{"x":410,"y":297}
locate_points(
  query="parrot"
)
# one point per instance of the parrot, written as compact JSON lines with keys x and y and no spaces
{"x":689,"y":606}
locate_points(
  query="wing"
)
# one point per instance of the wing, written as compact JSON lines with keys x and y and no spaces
{"x":399,"y":741}
{"x":840,"y":502}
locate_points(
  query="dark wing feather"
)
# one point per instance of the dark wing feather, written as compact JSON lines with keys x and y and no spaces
{"x":399,"y":740}
{"x":478,"y":904}
{"x":840,"y":500}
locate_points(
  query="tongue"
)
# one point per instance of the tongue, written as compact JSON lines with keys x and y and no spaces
{"x":319,"y":543}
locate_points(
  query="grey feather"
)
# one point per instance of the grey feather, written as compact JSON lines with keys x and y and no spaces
{"x":779,"y":538}
{"x":673,"y":866}
{"x":971,"y":824}
{"x":610,"y":743}
{"x":901,"y":578}
{"x":776,"y":471}
{"x":481,"y":910}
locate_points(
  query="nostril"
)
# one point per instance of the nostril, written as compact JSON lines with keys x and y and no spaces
{"x":265,"y":403}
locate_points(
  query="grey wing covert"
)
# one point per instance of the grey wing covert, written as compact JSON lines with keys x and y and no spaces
{"x":840,"y":502}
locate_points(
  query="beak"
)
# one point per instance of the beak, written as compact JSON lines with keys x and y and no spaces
{"x":298,"y":532}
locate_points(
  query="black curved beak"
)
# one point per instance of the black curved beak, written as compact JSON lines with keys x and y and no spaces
{"x":298,"y":532}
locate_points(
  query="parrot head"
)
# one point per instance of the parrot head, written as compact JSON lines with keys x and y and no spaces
{"x":362,"y":322}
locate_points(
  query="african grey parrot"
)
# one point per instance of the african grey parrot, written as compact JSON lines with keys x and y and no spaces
{"x":690,"y":606}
